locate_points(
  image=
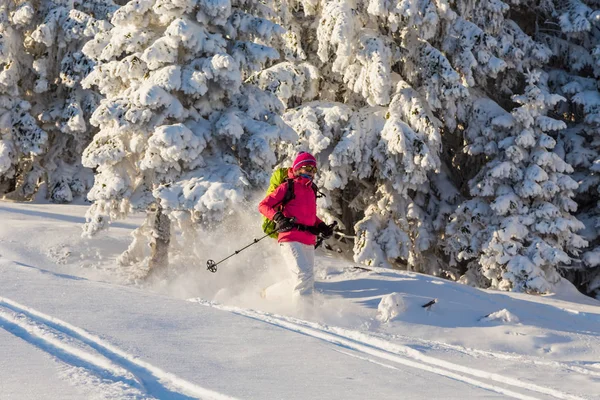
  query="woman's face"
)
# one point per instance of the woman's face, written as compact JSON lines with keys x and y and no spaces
{"x":307,"y":170}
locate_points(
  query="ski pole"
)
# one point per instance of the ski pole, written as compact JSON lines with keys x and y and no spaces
{"x":212,"y":266}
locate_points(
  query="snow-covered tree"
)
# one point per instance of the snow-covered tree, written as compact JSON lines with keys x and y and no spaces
{"x":42,"y":49}
{"x":55,"y":40}
{"x":377,"y":149}
{"x":519,"y":226}
{"x":402,"y":71}
{"x":181,"y":136}
{"x":21,"y":138}
{"x":374,"y":169}
{"x":571,"y":30}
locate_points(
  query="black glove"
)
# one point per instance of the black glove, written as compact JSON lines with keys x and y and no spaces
{"x":314,"y":230}
{"x":283,"y":223}
{"x":326,"y":231}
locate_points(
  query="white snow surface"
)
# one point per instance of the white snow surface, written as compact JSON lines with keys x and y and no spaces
{"x":73,"y":327}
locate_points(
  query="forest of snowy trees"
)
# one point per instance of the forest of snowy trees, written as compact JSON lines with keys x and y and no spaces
{"x":459,"y":138}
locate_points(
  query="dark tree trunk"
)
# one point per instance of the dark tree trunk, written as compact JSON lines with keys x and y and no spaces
{"x":161,"y":232}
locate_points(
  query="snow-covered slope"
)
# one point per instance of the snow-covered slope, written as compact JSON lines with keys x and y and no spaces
{"x":73,"y":327}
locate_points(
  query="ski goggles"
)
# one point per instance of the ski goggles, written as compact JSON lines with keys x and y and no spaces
{"x":309,"y":168}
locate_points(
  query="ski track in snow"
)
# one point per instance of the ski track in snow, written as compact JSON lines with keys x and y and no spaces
{"x":382,"y":349}
{"x":67,"y":343}
{"x":434,"y":345}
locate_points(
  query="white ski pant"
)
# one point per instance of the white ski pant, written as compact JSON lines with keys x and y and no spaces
{"x":300,"y":259}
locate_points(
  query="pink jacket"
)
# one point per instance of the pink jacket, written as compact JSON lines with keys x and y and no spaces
{"x":303,"y":207}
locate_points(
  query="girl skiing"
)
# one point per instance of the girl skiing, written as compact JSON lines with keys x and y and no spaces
{"x":297,"y":223}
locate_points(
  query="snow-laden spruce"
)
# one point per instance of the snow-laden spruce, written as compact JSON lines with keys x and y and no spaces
{"x":42,"y":49}
{"x":181,"y":136}
{"x":22,"y":140}
{"x":393,"y":79}
{"x":56,"y":38}
{"x":518,"y":228}
{"x":574,"y":76}
{"x":378,"y":160}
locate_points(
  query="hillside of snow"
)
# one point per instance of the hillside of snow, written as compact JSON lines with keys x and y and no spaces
{"x":76,"y":325}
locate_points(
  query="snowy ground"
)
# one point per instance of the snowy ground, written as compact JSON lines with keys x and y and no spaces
{"x":74,"y":327}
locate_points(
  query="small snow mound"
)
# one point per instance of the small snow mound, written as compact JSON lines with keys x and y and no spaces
{"x":503,"y":315}
{"x":59,"y":254}
{"x":390,"y":306}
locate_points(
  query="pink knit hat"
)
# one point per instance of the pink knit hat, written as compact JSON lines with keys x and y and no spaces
{"x":302,"y":159}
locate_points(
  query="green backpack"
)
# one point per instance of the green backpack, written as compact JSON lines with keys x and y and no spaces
{"x":279,"y":176}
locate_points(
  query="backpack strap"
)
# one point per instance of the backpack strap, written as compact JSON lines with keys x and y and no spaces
{"x":289,"y":194}
{"x":318,"y":193}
